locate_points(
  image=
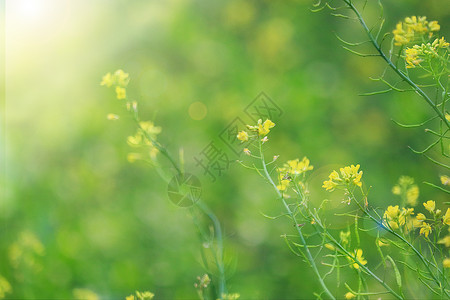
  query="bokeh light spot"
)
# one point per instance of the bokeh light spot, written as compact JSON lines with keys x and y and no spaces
{"x":197,"y":111}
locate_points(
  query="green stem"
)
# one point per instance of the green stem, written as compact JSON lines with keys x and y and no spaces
{"x":205,"y":209}
{"x":302,"y":239}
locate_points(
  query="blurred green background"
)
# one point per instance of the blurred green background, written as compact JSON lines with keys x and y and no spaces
{"x":76,"y":214}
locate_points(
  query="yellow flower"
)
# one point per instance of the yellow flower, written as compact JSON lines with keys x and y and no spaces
{"x":329,"y":185}
{"x":445,"y":180}
{"x":421,"y":217}
{"x":396,"y":190}
{"x":349,"y":296}
{"x":425,"y":229}
{"x":446,"y":263}
{"x":121,"y":92}
{"x":135,"y":140}
{"x":234,"y":296}
{"x":446,"y":218}
{"x":412,"y":194}
{"x":344,"y":235}
{"x":112,"y":117}
{"x":131,"y":297}
{"x":445,"y":241}
{"x":392,"y":212}
{"x":122,"y":78}
{"x":5,"y":287}
{"x":246,"y":151}
{"x":150,"y":127}
{"x":107,"y":80}
{"x":359,"y":258}
{"x":296,"y":166}
{"x":283,"y":180}
{"x":412,"y":56}
{"x":413,"y":29}
{"x":430,"y":205}
{"x":85,"y":294}
{"x":349,"y":175}
{"x":264,"y":129}
{"x":434,"y":26}
{"x":144,"y":295}
{"x":242,"y":136}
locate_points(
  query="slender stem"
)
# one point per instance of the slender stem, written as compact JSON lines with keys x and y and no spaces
{"x":393,"y":67}
{"x":302,"y":239}
{"x":219,"y":241}
{"x":205,"y":209}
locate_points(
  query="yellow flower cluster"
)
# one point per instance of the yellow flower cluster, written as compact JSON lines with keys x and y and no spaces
{"x":262,"y":129}
{"x":85,"y":294}
{"x":120,"y":80}
{"x":407,"y":190}
{"x":145,"y":131}
{"x":5,"y":287}
{"x":233,"y":296}
{"x":415,"y":55}
{"x":141,"y":296}
{"x":290,"y":170}
{"x":413,"y":29}
{"x":25,"y":251}
{"x":348,"y":175}
{"x":445,"y":180}
{"x":396,"y":218}
{"x":425,"y":228}
{"x":359,"y":258}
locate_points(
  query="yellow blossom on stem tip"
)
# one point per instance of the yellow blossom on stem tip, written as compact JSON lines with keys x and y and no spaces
{"x":445,"y":180}
{"x":264,"y":128}
{"x":445,"y":241}
{"x":446,"y":263}
{"x":446,"y":218}
{"x":112,"y":117}
{"x":430,"y":206}
{"x":242,"y":136}
{"x":107,"y":80}
{"x":121,"y":92}
{"x":348,"y":175}
{"x":246,"y":151}
{"x":425,"y":229}
{"x":359,"y":258}
{"x":349,"y":295}
{"x":121,"y":77}
{"x":421,"y":217}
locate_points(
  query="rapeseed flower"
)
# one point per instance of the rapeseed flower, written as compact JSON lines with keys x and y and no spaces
{"x":407,"y":190}
{"x":445,"y":180}
{"x":445,"y":241}
{"x":348,"y":175}
{"x":349,"y":295}
{"x":242,"y":136}
{"x":425,"y":229}
{"x":446,"y":263}
{"x":446,"y":218}
{"x":430,"y":205}
{"x":413,"y":29}
{"x":358,"y":258}
{"x":121,"y":92}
